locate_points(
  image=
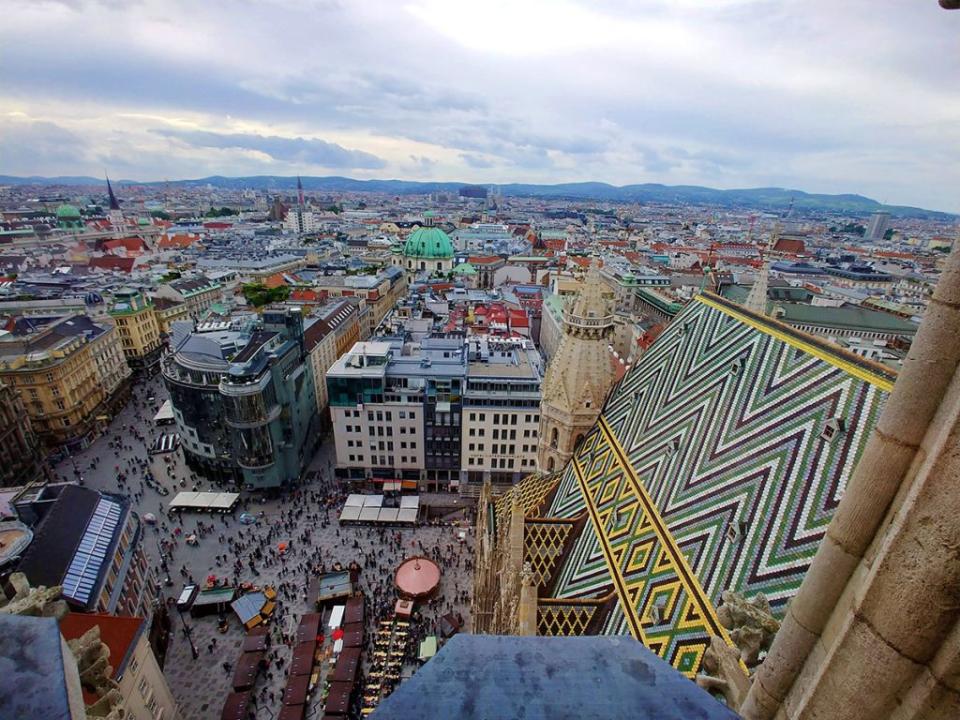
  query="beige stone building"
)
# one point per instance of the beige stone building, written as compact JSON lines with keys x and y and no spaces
{"x":501,"y":411}
{"x":140,"y":681}
{"x":136,"y":321}
{"x":197,"y":293}
{"x":326,"y":338}
{"x":168,"y":312}
{"x":21,"y":460}
{"x":380,"y":292}
{"x":70,"y":373}
{"x":579,"y":375}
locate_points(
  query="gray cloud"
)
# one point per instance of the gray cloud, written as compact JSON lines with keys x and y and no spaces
{"x":32,"y":147}
{"x":816,"y":94}
{"x":475,"y":161}
{"x":292,"y":150}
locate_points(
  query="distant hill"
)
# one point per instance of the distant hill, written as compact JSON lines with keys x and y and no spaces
{"x":773,"y":199}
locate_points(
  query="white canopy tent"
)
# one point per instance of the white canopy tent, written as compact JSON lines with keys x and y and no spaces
{"x":208,"y":501}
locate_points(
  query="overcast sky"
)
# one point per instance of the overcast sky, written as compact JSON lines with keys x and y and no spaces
{"x":822,"y":95}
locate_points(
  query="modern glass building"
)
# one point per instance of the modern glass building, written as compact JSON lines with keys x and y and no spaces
{"x":243,"y":399}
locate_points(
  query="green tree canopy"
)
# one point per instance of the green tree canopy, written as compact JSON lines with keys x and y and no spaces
{"x":258,"y":294}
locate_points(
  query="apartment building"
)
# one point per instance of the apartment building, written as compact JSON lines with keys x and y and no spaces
{"x":136,"y":322}
{"x":89,"y":542}
{"x":197,"y":293}
{"x":168,"y":312}
{"x":380,"y":292}
{"x":21,"y":459}
{"x":396,"y":410}
{"x":70,"y":373}
{"x":448,"y":412}
{"x":501,"y":410}
{"x":140,"y":681}
{"x":327,"y":335}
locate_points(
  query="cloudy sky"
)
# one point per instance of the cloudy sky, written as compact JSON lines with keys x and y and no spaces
{"x":822,"y":95}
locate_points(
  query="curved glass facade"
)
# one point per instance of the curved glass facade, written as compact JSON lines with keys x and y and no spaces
{"x":243,"y":410}
{"x":253,"y":446}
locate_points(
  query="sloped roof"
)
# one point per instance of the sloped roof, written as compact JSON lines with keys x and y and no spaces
{"x":550,"y":678}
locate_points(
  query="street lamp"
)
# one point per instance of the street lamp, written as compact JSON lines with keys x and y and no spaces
{"x":189,"y":633}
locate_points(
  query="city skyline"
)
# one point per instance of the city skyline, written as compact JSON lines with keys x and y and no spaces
{"x":734,"y":94}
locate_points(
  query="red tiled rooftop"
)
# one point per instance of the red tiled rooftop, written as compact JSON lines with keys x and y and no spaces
{"x":117,"y":633}
{"x":109,"y":262}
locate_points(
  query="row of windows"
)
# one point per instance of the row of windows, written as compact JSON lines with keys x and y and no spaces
{"x":381,"y":445}
{"x":500,"y":434}
{"x":502,"y":463}
{"x":507,"y":418}
{"x":385,"y":460}
{"x":501,"y":449}
{"x":385,"y":415}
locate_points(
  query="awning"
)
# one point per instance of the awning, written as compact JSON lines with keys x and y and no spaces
{"x":348,"y":663}
{"x":309,"y":627}
{"x":338,"y":699}
{"x":291,"y":712}
{"x":187,"y":596}
{"x":407,"y":515}
{"x":353,"y":635}
{"x":369,"y":514}
{"x":254,"y":643}
{"x":221,"y":501}
{"x":302,"y":660}
{"x":428,"y":648}
{"x":235,"y":706}
{"x":296,"y":690}
{"x":165,"y":443}
{"x":249,"y":607}
{"x":354,"y":610}
{"x":209,"y":601}
{"x":388,"y":515}
{"x":165,"y":413}
{"x":245,"y":673}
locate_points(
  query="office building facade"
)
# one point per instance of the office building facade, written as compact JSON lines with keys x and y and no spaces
{"x":244,"y":400}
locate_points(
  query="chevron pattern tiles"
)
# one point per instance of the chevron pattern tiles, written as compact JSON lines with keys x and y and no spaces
{"x":717,"y":464}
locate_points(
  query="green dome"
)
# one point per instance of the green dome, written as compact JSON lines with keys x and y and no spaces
{"x":67,"y":211}
{"x":429,"y":243}
{"x":465,"y":268}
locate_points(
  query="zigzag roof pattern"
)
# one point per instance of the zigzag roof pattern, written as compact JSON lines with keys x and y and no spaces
{"x":716,"y":464}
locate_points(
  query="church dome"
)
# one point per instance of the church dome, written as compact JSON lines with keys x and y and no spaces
{"x":68,"y":212}
{"x":430,"y":243}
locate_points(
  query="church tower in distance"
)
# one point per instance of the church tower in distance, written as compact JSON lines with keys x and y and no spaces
{"x":579,"y":374}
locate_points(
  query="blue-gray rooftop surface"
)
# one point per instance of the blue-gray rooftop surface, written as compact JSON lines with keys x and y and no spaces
{"x":32,"y":681}
{"x":492,"y":677}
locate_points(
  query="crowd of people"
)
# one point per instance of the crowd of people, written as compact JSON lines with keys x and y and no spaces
{"x":292,"y":539}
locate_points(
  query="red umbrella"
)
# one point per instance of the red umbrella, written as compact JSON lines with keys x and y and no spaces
{"x":211,"y":579}
{"x":337,"y":634}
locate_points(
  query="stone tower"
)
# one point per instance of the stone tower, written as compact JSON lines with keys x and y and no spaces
{"x":579,"y":375}
{"x":114,"y":214}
